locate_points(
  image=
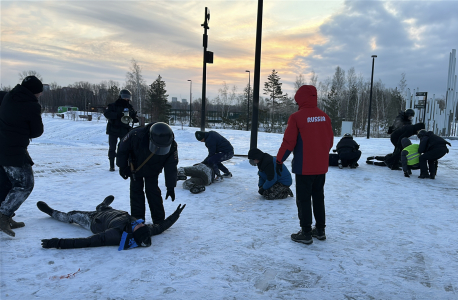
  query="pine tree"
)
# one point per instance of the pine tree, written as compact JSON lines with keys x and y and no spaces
{"x":272,"y":88}
{"x":331,"y":108}
{"x":158,"y":107}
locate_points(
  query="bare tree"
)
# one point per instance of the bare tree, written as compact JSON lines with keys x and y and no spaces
{"x":134,"y":80}
{"x":300,"y":81}
{"x":24,"y":74}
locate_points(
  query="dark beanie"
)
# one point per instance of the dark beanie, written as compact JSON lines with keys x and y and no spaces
{"x":419,"y":126}
{"x":200,"y":135}
{"x":33,"y":84}
{"x":142,"y":236}
{"x":255,"y":154}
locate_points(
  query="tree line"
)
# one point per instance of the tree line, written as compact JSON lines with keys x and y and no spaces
{"x":344,"y":97}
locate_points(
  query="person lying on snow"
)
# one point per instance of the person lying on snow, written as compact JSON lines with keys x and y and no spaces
{"x":201,"y":176}
{"x":111,"y":227}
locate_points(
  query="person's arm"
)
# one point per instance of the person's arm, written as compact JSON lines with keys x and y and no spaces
{"x":271,"y":176}
{"x":36,"y":123}
{"x":110,"y":237}
{"x":289,"y":140}
{"x":124,"y":148}
{"x":170,"y":167}
{"x":404,"y":154}
{"x":155,"y":229}
{"x":423,"y":144}
{"x":111,"y":112}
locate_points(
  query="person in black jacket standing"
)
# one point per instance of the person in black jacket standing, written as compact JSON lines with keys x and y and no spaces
{"x":111,"y":227}
{"x":348,"y":151}
{"x":142,"y":154}
{"x":118,"y":125}
{"x":20,"y":121}
{"x":219,"y":150}
{"x":431,"y":148}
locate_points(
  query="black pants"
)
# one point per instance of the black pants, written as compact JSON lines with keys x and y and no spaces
{"x":215,"y":160}
{"x":112,"y":143}
{"x":153,"y":195}
{"x":310,"y":191}
{"x":16,"y":184}
{"x":430,"y":157}
{"x":349,"y":158}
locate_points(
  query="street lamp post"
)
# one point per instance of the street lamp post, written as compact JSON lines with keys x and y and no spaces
{"x":190,"y":102}
{"x":248,"y":102}
{"x":370,"y":99}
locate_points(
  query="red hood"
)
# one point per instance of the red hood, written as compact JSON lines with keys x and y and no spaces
{"x":306,"y":96}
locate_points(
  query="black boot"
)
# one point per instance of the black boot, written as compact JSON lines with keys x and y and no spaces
{"x":45,"y":208}
{"x":5,"y":225}
{"x":302,"y":237}
{"x":112,"y":167}
{"x":196,"y":189}
{"x":105,"y":203}
{"x":319,"y":233}
{"x":14,"y":224}
{"x":423,"y":175}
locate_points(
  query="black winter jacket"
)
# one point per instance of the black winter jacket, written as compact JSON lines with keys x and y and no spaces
{"x":216,"y":143}
{"x":136,"y":145}
{"x":114,"y":112}
{"x":405,"y":132}
{"x":431,"y":141}
{"x":20,"y":121}
{"x":400,"y":121}
{"x":108,"y":226}
{"x":347,"y":144}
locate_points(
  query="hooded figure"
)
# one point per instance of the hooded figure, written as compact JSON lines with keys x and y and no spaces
{"x":348,"y":151}
{"x":309,"y":136}
{"x":431,"y":148}
{"x":410,"y":158}
{"x":271,"y":185}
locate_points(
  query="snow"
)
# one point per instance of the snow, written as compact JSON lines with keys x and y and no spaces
{"x":388,"y":237}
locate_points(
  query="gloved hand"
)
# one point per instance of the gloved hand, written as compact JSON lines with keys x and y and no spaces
{"x":279,"y":168}
{"x":125,"y":172}
{"x":406,"y":174}
{"x":179,"y":210}
{"x":261,"y":191}
{"x":171,"y":193}
{"x":51,"y":243}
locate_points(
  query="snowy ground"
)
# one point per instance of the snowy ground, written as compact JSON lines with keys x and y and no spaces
{"x":388,"y":237}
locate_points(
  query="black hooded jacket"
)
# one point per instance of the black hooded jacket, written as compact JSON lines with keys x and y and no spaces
{"x":114,"y":112}
{"x":401,"y":120}
{"x":347,"y":144}
{"x":108,"y":226}
{"x":430,"y":141}
{"x":136,"y":145}
{"x":405,"y":132}
{"x":20,"y":121}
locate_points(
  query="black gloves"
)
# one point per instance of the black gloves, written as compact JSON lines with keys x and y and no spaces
{"x":171,"y":193}
{"x":279,"y":168}
{"x":406,"y":174}
{"x":125,"y":172}
{"x":51,"y":243}
{"x":261,"y":191}
{"x":179,"y":210}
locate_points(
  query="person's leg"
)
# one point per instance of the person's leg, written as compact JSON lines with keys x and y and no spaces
{"x":137,"y":198}
{"x":112,"y":143}
{"x":82,"y":218}
{"x":154,"y":197}
{"x":5,"y":185}
{"x":214,"y":161}
{"x":22,"y":182}
{"x":226,"y":156}
{"x":431,"y":157}
{"x":303,"y":200}
{"x":318,"y":200}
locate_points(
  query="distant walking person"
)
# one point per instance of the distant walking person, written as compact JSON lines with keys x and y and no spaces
{"x":309,"y":136}
{"x":119,"y":114}
{"x":20,"y":121}
{"x":219,"y":150}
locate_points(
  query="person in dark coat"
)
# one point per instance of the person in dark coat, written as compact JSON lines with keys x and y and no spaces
{"x":219,"y":150}
{"x":142,"y":155}
{"x":270,"y":185}
{"x":396,"y":138}
{"x":404,"y":118}
{"x":111,"y":227}
{"x":309,"y":136}
{"x":2,"y":95}
{"x":118,"y":123}
{"x":410,"y":158}
{"x":20,"y":121}
{"x":348,"y":151}
{"x":432,"y":147}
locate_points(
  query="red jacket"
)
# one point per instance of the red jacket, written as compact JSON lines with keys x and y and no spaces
{"x":308,"y":135}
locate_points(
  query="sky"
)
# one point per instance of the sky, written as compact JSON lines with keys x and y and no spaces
{"x":388,"y":237}
{"x":94,"y":41}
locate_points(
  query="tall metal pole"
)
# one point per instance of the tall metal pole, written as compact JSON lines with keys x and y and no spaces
{"x":204,"y":74}
{"x":370,"y":99}
{"x":248,"y":102}
{"x":190,"y":103}
{"x":256,"y":80}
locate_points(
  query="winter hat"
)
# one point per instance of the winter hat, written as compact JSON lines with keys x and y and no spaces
{"x":200,"y":135}
{"x":419,"y":126}
{"x":139,"y":238}
{"x":255,"y":153}
{"x":421,"y":133}
{"x":405,"y":142}
{"x":33,"y":84}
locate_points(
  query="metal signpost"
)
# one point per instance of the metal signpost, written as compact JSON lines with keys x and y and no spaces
{"x":421,"y":104}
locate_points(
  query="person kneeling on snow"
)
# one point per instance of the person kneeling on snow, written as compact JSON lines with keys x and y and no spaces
{"x":201,"y":176}
{"x":271,"y":185}
{"x":348,"y":152}
{"x":432,"y":147}
{"x":111,"y":227}
{"x":410,"y":158}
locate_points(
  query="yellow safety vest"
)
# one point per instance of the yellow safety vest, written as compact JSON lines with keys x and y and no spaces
{"x":413,"y":157}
